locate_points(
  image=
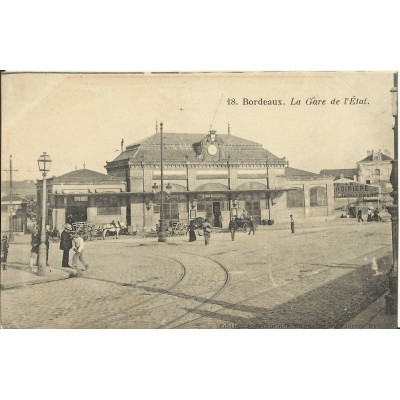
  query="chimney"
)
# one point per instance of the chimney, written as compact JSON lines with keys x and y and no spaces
{"x":122,"y":145}
{"x":229,"y":128}
{"x":213,"y":134}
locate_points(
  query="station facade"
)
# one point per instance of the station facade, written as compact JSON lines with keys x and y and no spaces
{"x":216,"y":177}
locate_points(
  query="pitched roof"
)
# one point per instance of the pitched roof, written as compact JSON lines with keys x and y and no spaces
{"x":15,"y":198}
{"x":336,"y":173}
{"x":179,"y":146}
{"x":383,"y":156}
{"x":290,"y":172}
{"x":85,"y":176}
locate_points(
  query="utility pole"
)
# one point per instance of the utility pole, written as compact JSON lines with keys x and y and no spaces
{"x":11,"y":170}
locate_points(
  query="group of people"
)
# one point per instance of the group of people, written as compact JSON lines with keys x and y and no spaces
{"x":205,"y":227}
{"x":72,"y":240}
{"x":370,"y":217}
{"x":233,"y":227}
{"x":68,"y":240}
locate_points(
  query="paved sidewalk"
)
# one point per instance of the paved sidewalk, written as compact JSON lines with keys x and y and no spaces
{"x":373,"y":317}
{"x":19,"y":276}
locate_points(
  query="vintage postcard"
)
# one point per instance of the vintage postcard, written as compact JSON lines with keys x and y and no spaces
{"x":254,"y":200}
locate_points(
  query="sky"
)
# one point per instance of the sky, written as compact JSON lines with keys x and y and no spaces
{"x":80,"y":119}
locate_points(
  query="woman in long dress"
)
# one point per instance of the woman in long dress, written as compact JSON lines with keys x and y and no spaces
{"x":192,"y":233}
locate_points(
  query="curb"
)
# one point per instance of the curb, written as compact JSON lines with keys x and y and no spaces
{"x":44,"y":279}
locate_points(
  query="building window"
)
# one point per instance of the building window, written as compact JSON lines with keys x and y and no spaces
{"x":295,"y":198}
{"x":108,"y":206}
{"x":204,"y":206}
{"x":318,"y":196}
{"x":368,"y":181}
{"x":170,"y":210}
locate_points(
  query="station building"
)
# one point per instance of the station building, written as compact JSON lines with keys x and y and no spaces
{"x":216,"y":177}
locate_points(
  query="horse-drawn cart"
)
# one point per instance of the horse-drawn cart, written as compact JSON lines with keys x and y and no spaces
{"x":174,"y":227}
{"x":86,"y":230}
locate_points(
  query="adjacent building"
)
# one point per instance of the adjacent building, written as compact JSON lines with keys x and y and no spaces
{"x":17,"y":207}
{"x":367,"y":186}
{"x":83,"y":195}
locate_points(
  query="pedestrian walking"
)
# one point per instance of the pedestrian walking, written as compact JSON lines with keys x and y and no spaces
{"x":359,"y":215}
{"x":232,"y":228}
{"x":292,"y":223}
{"x":47,"y":243}
{"x":66,"y":245}
{"x":251,"y":226}
{"x":78,"y":246}
{"x":369,"y":215}
{"x":192,"y":232}
{"x":4,"y":250}
{"x":35,"y":241}
{"x":207,"y":232}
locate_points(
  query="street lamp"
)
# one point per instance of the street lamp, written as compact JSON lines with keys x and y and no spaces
{"x":391,"y":298}
{"x":44,"y":163}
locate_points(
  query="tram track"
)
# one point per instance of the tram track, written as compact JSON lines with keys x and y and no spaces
{"x":285,"y":286}
{"x":225,"y":282}
{"x":161,"y":292}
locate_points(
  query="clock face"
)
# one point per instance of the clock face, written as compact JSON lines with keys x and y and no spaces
{"x":212,"y":149}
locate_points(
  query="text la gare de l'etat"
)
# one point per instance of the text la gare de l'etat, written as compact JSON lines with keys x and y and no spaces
{"x":309,"y":101}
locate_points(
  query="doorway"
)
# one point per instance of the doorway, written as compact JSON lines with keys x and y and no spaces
{"x":76,"y":214}
{"x":216,"y":209}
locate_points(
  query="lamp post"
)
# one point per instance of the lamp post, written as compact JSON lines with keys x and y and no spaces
{"x":44,"y":163}
{"x":162,"y":237}
{"x":392,"y":296}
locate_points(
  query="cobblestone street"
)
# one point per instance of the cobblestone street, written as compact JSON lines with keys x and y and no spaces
{"x":320,"y":277}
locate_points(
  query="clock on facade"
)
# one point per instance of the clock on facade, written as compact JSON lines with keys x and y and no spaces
{"x":212,"y":149}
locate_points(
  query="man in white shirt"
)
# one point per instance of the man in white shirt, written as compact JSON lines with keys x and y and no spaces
{"x":78,"y":245}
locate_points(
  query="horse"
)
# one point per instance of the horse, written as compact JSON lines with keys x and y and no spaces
{"x":112,"y":229}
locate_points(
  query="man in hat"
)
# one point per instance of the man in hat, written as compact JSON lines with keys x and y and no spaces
{"x":66,"y":245}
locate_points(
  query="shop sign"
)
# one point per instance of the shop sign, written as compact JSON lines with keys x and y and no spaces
{"x":355,"y":189}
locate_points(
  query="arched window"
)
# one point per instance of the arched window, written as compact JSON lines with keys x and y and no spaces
{"x":318,"y":196}
{"x":295,"y":198}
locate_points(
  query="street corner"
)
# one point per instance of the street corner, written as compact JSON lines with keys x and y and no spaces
{"x":15,"y":276}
